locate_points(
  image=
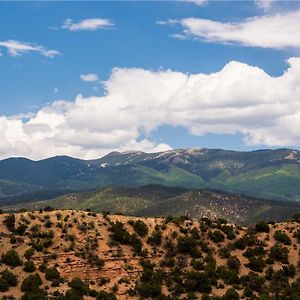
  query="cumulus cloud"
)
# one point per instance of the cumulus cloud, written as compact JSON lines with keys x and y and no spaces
{"x":17,"y":48}
{"x":237,"y":99}
{"x":87,"y":24}
{"x":279,"y":31}
{"x":89,"y":77}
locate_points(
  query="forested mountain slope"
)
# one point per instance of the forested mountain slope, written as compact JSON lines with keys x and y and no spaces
{"x":271,"y":174}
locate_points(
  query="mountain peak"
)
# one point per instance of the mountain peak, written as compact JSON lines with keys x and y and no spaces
{"x":133,"y":152}
{"x":113,"y":153}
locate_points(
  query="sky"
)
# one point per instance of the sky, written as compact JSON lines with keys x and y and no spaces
{"x":87,"y":78}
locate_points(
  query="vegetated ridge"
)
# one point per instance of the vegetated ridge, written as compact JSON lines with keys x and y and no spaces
{"x":76,"y":255}
{"x":158,"y":200}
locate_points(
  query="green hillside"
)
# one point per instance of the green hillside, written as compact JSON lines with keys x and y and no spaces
{"x":156,"y":200}
{"x":272,"y":183}
{"x":270,"y":174}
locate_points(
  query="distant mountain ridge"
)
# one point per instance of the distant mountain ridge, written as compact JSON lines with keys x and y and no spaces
{"x":158,"y":200}
{"x":273,"y":174}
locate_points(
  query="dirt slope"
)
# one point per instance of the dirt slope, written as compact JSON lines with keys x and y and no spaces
{"x":156,"y":258}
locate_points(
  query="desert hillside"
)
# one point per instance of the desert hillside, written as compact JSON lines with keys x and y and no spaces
{"x":69,"y":254}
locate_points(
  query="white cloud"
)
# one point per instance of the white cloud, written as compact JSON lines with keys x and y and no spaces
{"x":87,"y":24}
{"x":167,"y":22}
{"x":270,"y":31}
{"x":265,"y":5}
{"x":55,"y":90}
{"x":237,"y":99}
{"x":90,"y":77}
{"x":17,"y":48}
{"x":196,"y":2}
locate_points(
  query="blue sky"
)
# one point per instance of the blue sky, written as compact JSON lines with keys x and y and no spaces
{"x":31,"y":81}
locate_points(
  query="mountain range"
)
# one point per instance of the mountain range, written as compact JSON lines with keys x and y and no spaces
{"x":270,"y":174}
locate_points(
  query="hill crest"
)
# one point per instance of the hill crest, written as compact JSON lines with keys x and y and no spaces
{"x":71,"y":254}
